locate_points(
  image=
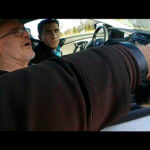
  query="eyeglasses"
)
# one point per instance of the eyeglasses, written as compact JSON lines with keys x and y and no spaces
{"x":17,"y":31}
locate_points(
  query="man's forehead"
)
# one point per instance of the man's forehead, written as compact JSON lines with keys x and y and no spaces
{"x":9,"y":24}
{"x":51,"y":25}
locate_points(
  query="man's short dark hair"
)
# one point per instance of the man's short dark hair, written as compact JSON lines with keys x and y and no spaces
{"x":46,"y":21}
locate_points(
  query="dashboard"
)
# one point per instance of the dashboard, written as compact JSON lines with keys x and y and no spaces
{"x":135,"y":119}
{"x":133,"y":36}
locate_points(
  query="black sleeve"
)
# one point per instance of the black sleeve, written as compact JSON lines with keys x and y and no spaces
{"x":82,"y":92}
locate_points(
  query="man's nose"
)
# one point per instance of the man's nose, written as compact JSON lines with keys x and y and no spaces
{"x":26,"y":34}
{"x":53,"y":34}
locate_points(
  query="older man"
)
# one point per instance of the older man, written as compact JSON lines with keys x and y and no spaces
{"x":15,"y":46}
{"x":86,"y":91}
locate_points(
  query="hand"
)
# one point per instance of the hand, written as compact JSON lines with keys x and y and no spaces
{"x":142,"y":95}
{"x":145,"y":49}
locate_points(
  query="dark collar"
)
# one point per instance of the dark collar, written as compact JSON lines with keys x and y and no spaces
{"x":3,"y":72}
{"x":44,"y":47}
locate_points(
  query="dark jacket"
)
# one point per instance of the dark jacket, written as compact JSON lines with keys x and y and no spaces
{"x":42,"y":52}
{"x":3,"y":72}
{"x":86,"y":91}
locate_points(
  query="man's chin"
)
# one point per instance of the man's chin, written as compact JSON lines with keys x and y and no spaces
{"x":54,"y":46}
{"x":31,"y":56}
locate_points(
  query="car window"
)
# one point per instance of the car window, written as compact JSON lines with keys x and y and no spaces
{"x":73,"y":30}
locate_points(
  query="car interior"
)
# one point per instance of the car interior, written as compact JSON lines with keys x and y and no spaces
{"x":112,"y":36}
{"x":129,"y":39}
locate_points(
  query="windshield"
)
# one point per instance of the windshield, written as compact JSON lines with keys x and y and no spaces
{"x":142,"y":24}
{"x":139,"y":24}
{"x":68,"y":27}
{"x":79,"y":26}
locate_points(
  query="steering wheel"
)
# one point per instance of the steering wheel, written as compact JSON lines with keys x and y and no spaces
{"x":95,"y":35}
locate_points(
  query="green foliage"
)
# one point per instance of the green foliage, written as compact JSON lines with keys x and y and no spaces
{"x":75,"y":30}
{"x":81,"y":28}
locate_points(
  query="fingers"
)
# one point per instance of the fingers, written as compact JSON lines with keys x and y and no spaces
{"x":145,"y":49}
{"x":142,"y":95}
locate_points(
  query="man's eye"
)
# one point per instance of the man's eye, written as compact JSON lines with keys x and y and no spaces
{"x":57,"y":30}
{"x":48,"y":32}
{"x":14,"y":30}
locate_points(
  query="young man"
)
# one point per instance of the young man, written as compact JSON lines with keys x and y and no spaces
{"x":86,"y":91}
{"x":49,"y":36}
{"x":15,"y":46}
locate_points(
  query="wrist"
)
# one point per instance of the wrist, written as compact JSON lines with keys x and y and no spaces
{"x":140,"y":54}
{"x":146,"y":52}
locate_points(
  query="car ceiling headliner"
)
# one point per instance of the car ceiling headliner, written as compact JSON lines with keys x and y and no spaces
{"x":22,"y":20}
{"x":25,"y":20}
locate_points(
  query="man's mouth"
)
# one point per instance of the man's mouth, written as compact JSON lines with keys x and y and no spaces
{"x":54,"y":42}
{"x":28,"y":43}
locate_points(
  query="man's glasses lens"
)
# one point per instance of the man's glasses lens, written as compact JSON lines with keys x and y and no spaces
{"x":28,"y":31}
{"x":20,"y":31}
{"x":17,"y":32}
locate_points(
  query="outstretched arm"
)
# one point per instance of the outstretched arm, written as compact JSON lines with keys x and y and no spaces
{"x":82,"y":92}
